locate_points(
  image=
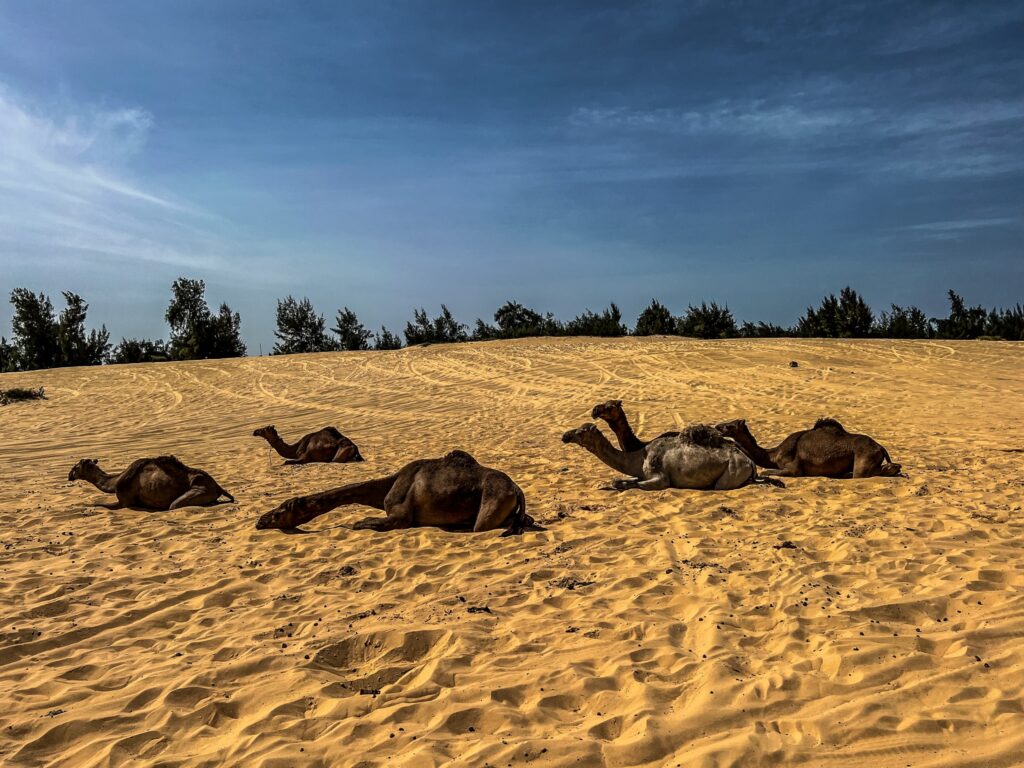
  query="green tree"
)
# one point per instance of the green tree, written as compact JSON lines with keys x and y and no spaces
{"x":139,"y":351}
{"x":761,"y":330}
{"x":35,"y":330}
{"x":1006,"y":323}
{"x":903,"y":323}
{"x":196,"y":333}
{"x":386,"y":340}
{"x":607,"y":323}
{"x":300,"y":329}
{"x":77,"y":348}
{"x":441,"y":330}
{"x":655,"y":320}
{"x":351,"y":332}
{"x":708,"y":321}
{"x":849,"y":316}
{"x":963,"y":322}
{"x":8,"y":356}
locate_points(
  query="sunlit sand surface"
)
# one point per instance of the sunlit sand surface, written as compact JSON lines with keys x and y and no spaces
{"x":873,"y":622}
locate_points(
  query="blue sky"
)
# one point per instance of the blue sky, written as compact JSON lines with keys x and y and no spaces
{"x":387,"y":155}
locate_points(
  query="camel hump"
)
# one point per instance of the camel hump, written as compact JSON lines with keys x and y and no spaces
{"x":460,"y":457}
{"x":136,"y":467}
{"x":703,"y":435}
{"x":333,"y":432}
{"x":829,"y":424}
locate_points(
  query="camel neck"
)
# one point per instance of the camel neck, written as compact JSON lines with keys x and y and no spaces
{"x":105,"y":482}
{"x":627,"y":462}
{"x":761,"y":456}
{"x":628,"y":441}
{"x":282,"y":448}
{"x":370,"y":493}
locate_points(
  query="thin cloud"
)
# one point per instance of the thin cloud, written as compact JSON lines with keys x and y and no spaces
{"x":64,"y":186}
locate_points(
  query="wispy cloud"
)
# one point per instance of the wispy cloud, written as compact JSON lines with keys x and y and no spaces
{"x":956,"y":229}
{"x":65,"y":186}
{"x":975,"y":138}
{"x":749,"y":119}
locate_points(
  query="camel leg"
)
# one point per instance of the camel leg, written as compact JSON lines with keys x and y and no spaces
{"x":197,"y":496}
{"x":380,"y":524}
{"x":496,"y":509}
{"x":399,"y":513}
{"x":786,"y":470}
{"x":656,"y":483}
{"x":293,"y":462}
{"x":871,"y":466}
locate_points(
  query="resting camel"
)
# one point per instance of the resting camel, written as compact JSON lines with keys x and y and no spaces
{"x":326,"y":445}
{"x":454,"y":492}
{"x":611,"y":412}
{"x":162,"y":483}
{"x":698,"y":458}
{"x":825,"y":450}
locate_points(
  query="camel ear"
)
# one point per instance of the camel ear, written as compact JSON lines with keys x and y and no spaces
{"x":617,"y":403}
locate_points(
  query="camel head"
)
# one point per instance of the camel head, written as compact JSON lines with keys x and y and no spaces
{"x":288,"y":514}
{"x":586,"y":435}
{"x":83,"y":468}
{"x":609,"y":410}
{"x":735,"y":428}
{"x":265,"y":432}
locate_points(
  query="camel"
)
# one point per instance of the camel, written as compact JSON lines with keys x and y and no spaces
{"x":454,"y":492}
{"x":611,"y":411}
{"x":326,"y":445}
{"x":825,"y":450}
{"x":161,"y":483}
{"x":698,"y":458}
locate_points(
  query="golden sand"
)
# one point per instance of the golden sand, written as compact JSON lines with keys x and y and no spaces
{"x":669,"y":628}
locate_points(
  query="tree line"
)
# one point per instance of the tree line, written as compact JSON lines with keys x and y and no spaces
{"x":43,"y":339}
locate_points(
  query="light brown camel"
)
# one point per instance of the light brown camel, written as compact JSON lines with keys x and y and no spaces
{"x":825,"y":450}
{"x":160,"y":483}
{"x":611,"y":411}
{"x":326,"y":445}
{"x":454,"y":492}
{"x":698,"y":458}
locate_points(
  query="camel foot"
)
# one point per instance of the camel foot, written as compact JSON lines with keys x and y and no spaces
{"x":623,"y":485}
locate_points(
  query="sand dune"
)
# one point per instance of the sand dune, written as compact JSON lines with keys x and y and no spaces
{"x":844,"y":623}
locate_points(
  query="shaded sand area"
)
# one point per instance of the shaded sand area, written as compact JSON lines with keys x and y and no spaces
{"x":869,"y":622}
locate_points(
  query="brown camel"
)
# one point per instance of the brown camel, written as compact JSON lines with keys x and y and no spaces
{"x":454,"y":492}
{"x":161,"y":483}
{"x":698,"y":458}
{"x":826,"y":450}
{"x":611,"y":411}
{"x":326,"y":445}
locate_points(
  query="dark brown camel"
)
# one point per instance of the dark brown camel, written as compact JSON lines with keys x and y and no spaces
{"x":611,"y":411}
{"x":326,"y":445}
{"x":454,"y":492}
{"x":161,"y":483}
{"x":826,"y":450}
